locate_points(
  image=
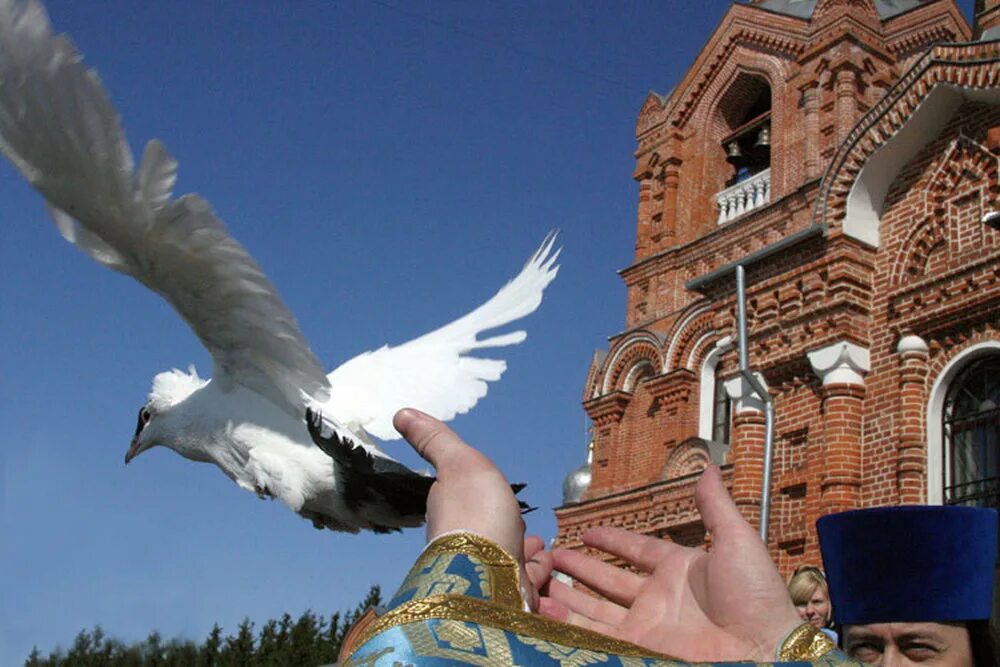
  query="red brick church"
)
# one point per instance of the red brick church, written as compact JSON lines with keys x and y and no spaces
{"x":846,"y":153}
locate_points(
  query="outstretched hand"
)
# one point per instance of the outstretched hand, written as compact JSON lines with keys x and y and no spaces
{"x":470,"y":493}
{"x":726,"y":604}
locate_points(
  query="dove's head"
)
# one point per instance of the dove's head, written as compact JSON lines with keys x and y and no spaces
{"x":141,"y":441}
{"x":153,"y":428}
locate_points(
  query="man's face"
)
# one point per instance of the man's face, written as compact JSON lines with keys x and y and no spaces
{"x":896,"y":644}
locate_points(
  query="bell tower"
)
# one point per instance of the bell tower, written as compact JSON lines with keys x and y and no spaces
{"x":794,"y":145}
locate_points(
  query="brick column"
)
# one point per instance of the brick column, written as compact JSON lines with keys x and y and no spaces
{"x":747,"y":447}
{"x":845,"y":88}
{"x":606,"y":413}
{"x":810,"y":127}
{"x":911,"y":461}
{"x":643,"y":174}
{"x":671,"y":180}
{"x":841,"y":367}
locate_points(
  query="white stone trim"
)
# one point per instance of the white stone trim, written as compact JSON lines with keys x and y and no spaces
{"x":611,"y":363}
{"x":706,"y":387}
{"x":747,"y":400}
{"x":696,"y":348}
{"x":911,"y":343}
{"x":937,"y":462}
{"x":841,"y":362}
{"x":743,"y":197}
{"x":634,"y":372}
{"x":677,"y":333}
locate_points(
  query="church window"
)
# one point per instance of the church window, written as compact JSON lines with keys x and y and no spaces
{"x":721,"y":417}
{"x":971,"y":426}
{"x":714,"y":405}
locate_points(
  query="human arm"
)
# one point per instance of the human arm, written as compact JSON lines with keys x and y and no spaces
{"x":458,"y":604}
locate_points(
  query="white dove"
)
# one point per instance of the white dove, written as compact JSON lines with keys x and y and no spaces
{"x":258,"y":418}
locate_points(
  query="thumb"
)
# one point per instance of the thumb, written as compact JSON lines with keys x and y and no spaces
{"x":436,"y":443}
{"x":718,"y":511}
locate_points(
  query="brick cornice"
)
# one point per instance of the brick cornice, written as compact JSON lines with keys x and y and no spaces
{"x":610,"y":501}
{"x":672,"y":386}
{"x":735,"y":240}
{"x":941,"y":297}
{"x":846,"y":29}
{"x":609,"y":408}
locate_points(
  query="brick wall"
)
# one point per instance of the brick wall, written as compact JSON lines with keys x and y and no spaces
{"x":935,"y":274}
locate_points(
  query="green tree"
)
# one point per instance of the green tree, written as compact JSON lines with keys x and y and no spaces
{"x":209,"y":653}
{"x":239,"y":650}
{"x":310,"y":640}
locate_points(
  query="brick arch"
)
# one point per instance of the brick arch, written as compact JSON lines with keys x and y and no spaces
{"x":733,"y":48}
{"x":911,"y":113}
{"x":946,"y":363}
{"x":964,"y":158}
{"x":689,"y":456}
{"x":965,"y":167}
{"x":634,"y":352}
{"x":743,"y":66}
{"x":914,"y":256}
{"x":739,"y":93}
{"x":686,"y":334}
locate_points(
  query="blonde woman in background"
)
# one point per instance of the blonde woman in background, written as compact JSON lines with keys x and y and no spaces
{"x":808,"y":589}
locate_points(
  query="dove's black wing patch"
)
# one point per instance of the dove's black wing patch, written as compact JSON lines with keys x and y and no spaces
{"x":367,"y":479}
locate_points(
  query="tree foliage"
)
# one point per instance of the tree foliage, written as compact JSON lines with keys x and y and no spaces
{"x":310,"y":641}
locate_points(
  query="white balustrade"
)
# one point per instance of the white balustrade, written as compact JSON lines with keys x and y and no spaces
{"x":744,"y":197}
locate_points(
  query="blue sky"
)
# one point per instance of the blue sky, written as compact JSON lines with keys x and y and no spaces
{"x":390,"y":166}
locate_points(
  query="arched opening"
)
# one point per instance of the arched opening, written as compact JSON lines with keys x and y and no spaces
{"x":744,"y":114}
{"x":714,"y":413}
{"x":642,"y":370}
{"x":971,"y":435}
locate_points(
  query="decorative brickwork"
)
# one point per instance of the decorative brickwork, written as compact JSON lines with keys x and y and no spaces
{"x":880,"y":280}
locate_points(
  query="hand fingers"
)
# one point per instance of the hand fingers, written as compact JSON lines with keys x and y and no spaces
{"x":587,"y":605}
{"x":558,"y":612}
{"x":642,"y":551}
{"x":554,"y":609}
{"x":616,"y":584}
{"x":537,"y":564}
{"x":532,"y":545}
{"x":438,"y":444}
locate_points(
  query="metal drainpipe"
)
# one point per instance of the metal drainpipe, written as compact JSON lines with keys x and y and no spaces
{"x":765,"y":491}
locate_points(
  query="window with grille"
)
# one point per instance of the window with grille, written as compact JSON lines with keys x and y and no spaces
{"x":972,"y":436}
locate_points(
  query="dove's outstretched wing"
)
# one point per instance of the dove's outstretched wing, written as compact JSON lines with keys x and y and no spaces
{"x":60,"y":130}
{"x":435,"y":373}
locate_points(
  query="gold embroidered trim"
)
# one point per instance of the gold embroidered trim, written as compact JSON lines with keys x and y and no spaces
{"x":805,"y":643}
{"x":504,"y":572}
{"x":462,"y":608}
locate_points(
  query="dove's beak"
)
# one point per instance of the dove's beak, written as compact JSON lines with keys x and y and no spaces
{"x":133,"y":450}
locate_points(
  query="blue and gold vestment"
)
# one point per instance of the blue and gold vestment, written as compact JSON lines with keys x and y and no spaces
{"x":461,"y":604}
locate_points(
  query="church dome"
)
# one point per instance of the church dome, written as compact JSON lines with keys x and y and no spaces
{"x":578,"y":481}
{"x":575,"y":484}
